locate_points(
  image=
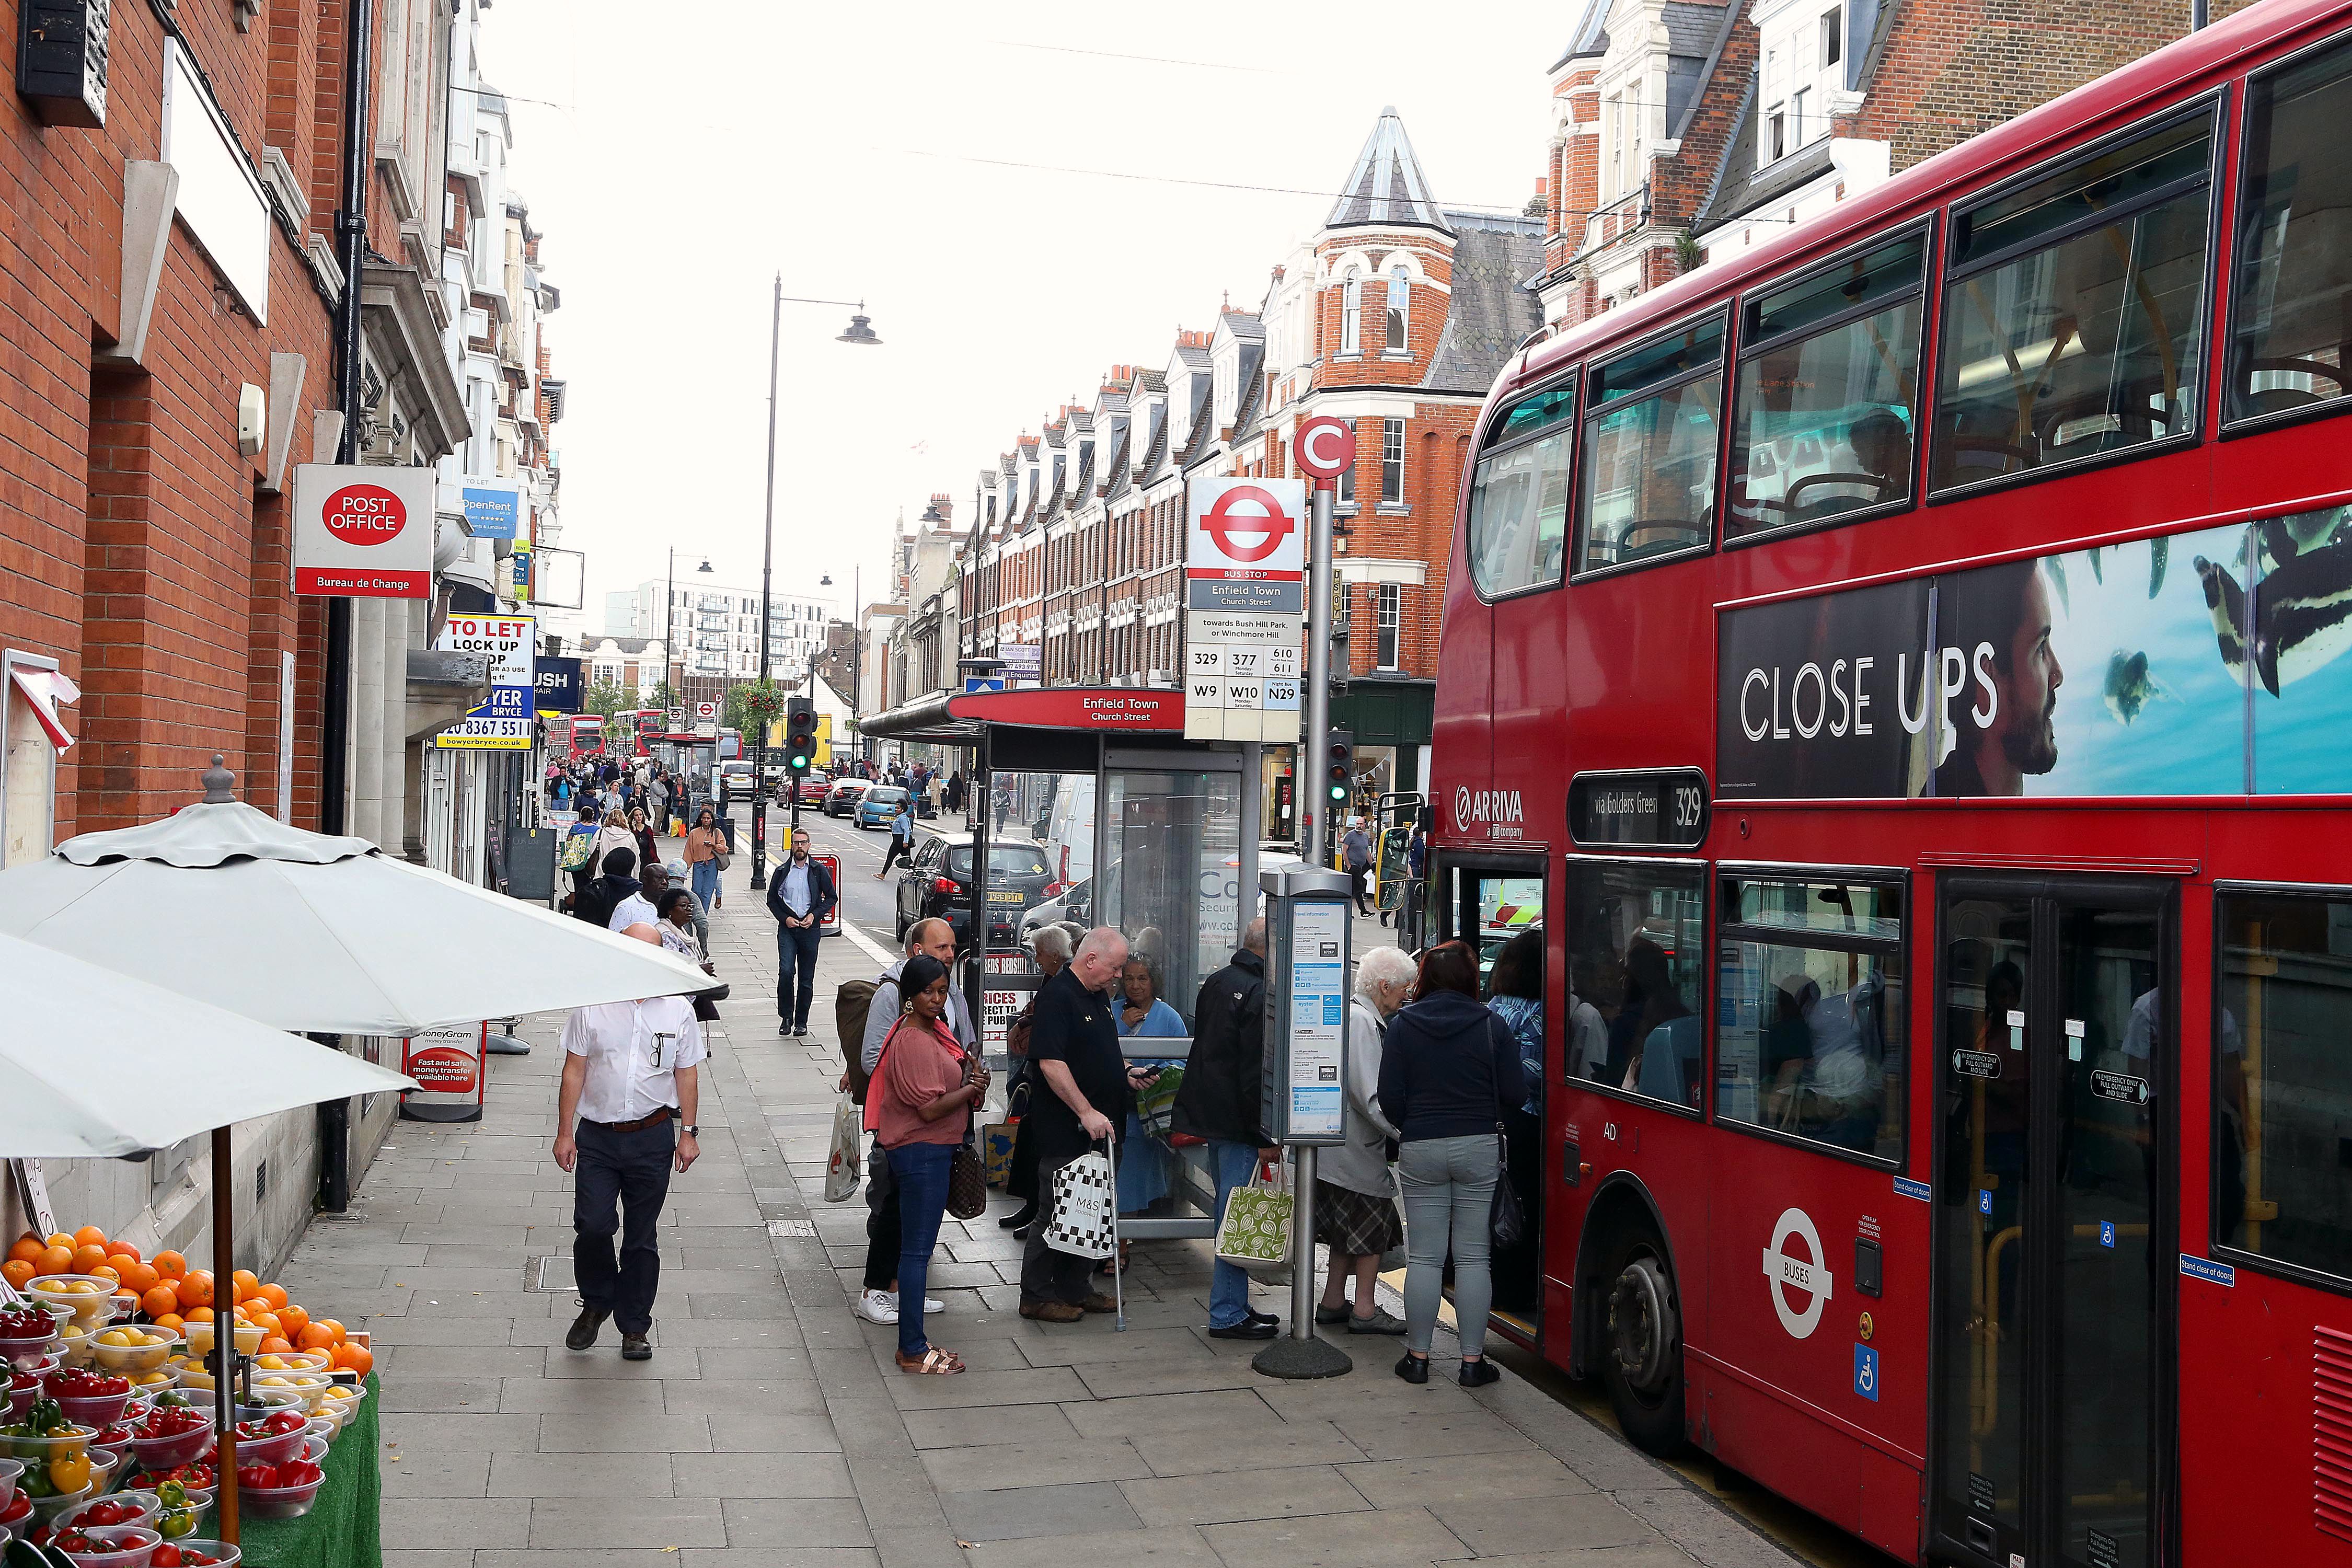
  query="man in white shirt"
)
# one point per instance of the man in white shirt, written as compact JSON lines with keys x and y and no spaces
{"x":629,"y":1071}
{"x":643,"y":906}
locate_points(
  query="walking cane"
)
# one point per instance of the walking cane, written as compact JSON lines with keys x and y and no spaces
{"x":1117,"y":1274}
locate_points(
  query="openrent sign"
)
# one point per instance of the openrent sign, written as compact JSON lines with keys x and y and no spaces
{"x":363,"y":532}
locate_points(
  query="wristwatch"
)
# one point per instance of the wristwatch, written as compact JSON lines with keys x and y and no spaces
{"x":689,"y":1128}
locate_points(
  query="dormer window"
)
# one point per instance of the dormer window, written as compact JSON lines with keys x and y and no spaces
{"x":1351,"y":314}
{"x":1399,"y":302}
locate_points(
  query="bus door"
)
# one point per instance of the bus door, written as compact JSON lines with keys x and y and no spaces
{"x":2056,"y":1071}
{"x":1496,"y":904}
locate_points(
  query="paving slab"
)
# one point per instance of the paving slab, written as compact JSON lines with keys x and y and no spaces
{"x":771,"y":1425}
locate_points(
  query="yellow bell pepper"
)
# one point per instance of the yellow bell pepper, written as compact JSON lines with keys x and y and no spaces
{"x":69,"y":1475}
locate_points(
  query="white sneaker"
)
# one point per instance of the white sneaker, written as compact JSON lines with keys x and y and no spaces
{"x":930,"y":1304}
{"x":877,"y":1306}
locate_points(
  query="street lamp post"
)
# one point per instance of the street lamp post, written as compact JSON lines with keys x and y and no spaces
{"x":861,"y":334}
{"x":670,"y":629}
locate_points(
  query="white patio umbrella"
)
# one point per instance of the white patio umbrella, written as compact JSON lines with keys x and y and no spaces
{"x":96,"y":1065}
{"x":308,"y":932}
{"x":228,"y":905}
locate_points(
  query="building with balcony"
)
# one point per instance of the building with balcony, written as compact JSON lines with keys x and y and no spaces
{"x":715,"y":630}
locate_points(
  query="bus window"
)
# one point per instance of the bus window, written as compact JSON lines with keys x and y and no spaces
{"x":2072,"y":314}
{"x":1649,"y":448}
{"x":1518,"y":496}
{"x":2282,"y":1075}
{"x":1637,"y":945}
{"x":1812,"y":1037}
{"x":1828,"y":391}
{"x":2293,"y":312}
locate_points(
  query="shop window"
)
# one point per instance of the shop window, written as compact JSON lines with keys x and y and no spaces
{"x":2281,"y":1063}
{"x":1812,"y":1037}
{"x":1636,"y":946}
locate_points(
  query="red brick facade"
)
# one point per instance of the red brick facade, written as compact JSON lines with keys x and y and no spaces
{"x":144,"y":552}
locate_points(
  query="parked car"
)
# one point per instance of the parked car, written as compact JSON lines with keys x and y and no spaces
{"x":734,"y":781}
{"x":937,"y":884}
{"x":813,"y":788}
{"x":772,"y":772}
{"x":878,"y":804}
{"x":841,"y":798}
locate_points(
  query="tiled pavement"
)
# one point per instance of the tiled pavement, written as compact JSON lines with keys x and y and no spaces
{"x":771,"y":1424}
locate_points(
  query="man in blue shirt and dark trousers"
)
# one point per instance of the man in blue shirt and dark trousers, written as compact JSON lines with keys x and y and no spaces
{"x":800,"y":896}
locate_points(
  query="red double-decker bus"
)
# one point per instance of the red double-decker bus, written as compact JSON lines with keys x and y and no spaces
{"x":1890,"y":714}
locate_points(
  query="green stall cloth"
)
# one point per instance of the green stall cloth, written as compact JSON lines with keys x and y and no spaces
{"x":343,"y":1528}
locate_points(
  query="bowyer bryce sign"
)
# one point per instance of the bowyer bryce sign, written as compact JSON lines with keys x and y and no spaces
{"x":363,"y":532}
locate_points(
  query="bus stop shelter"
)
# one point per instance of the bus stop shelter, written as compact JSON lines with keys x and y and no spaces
{"x":1175,"y":837}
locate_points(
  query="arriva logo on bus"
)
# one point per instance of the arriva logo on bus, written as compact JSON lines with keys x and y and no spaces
{"x":1496,"y":810}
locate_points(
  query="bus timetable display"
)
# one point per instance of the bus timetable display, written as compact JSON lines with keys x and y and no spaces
{"x":1660,"y":808}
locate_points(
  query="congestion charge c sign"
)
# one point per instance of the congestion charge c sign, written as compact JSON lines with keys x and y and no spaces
{"x":1227,"y":527}
{"x":1807,"y":1276}
{"x":1324,"y":446}
{"x":364,"y":514}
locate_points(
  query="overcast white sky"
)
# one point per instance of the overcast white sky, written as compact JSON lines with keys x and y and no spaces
{"x":686,"y":153}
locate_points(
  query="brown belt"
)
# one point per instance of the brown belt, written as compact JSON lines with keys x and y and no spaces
{"x":639,"y":1125}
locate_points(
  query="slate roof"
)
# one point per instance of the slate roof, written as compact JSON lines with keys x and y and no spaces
{"x":1691,"y":29}
{"x":1591,"y":38}
{"x":1490,"y":314}
{"x":1386,"y":186}
{"x":1739,"y":187}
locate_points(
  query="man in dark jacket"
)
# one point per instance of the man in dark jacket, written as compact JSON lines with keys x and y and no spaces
{"x":1218,"y":1100}
{"x":802,"y":897}
{"x":1080,"y":1100}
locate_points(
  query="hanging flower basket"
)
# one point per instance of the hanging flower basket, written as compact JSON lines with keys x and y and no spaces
{"x":764,"y":701}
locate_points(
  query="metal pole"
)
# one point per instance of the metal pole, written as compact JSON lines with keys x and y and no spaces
{"x":1314,"y":750}
{"x":351,"y":226}
{"x":1315,"y":743}
{"x":767,"y":577}
{"x":2198,"y":15}
{"x":975,"y":978}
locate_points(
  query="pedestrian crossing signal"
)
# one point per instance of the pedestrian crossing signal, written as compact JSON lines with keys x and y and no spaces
{"x":799,"y":736}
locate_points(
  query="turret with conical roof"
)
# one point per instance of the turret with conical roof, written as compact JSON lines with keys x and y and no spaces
{"x":1386,"y":186}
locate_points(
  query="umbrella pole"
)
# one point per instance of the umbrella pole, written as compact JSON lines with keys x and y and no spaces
{"x":224,"y":1335}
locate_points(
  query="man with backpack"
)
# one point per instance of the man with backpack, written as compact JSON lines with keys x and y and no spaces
{"x":864,"y":1010}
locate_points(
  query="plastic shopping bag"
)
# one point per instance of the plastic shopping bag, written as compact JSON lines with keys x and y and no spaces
{"x":842,"y":1167}
{"x":1081,"y":1223}
{"x":1254,"y":1229}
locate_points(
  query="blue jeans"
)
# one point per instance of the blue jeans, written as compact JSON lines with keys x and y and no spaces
{"x":705,"y":883}
{"x":920,"y":1171}
{"x":1233,"y":1164}
{"x":796,"y":949}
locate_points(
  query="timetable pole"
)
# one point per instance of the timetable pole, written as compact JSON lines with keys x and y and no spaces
{"x":1315,"y":749}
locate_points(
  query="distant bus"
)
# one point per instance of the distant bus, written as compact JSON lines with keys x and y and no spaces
{"x":730,"y":744}
{"x":586,"y":734}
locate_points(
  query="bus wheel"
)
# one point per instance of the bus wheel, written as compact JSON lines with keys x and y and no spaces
{"x":1642,"y":1352}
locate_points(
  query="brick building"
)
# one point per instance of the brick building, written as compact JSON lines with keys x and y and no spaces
{"x":1682,"y":129}
{"x":169,"y":275}
{"x":1394,"y":313}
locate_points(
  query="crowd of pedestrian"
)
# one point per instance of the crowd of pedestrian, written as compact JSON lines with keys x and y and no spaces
{"x":1442,"y":1088}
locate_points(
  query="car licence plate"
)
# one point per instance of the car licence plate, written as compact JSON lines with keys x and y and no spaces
{"x":1008,"y":896}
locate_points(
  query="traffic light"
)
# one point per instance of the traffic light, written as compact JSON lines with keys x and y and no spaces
{"x":1341,"y":767}
{"x":799,"y":736}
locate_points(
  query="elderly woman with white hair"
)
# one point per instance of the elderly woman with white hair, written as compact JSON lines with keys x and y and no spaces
{"x":1355,"y":1202}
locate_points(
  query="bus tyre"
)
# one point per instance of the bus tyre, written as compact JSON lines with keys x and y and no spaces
{"x":1642,"y":1348}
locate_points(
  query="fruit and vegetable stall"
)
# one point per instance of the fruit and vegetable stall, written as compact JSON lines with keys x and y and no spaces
{"x":107,"y":1441}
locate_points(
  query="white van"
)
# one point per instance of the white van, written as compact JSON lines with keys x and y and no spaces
{"x":1069,"y":835}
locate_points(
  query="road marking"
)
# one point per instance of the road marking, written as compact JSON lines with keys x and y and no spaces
{"x":874,"y":950}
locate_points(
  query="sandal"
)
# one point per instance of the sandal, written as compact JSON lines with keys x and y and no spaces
{"x":934,"y":1363}
{"x":1118,"y":1264}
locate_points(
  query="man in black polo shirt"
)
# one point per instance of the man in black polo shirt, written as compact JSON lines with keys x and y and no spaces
{"x":1074,"y":1048}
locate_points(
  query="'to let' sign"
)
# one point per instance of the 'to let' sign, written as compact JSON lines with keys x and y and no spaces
{"x":364,"y":514}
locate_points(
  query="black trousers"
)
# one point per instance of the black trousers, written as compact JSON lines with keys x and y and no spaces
{"x":1048,"y":1274}
{"x":619,"y":1186}
{"x":882,"y":1228}
{"x":895,"y":853}
{"x":796,"y":970}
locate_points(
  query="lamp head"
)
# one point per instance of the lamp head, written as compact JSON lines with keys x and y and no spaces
{"x":859,"y":333}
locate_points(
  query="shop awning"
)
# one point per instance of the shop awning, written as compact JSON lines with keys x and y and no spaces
{"x":958,"y":719}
